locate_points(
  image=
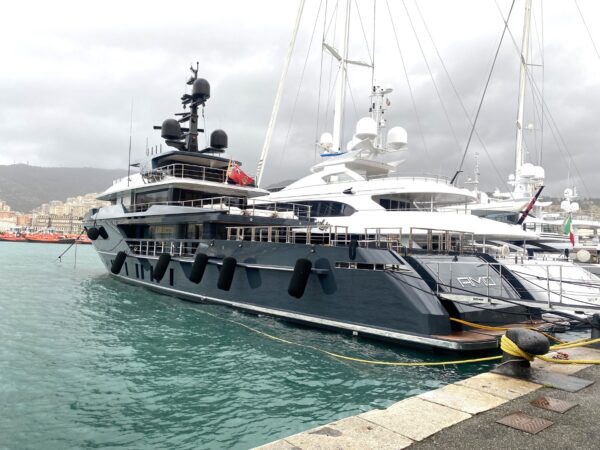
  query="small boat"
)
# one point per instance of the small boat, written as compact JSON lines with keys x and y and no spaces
{"x":47,"y":238}
{"x":13,"y":236}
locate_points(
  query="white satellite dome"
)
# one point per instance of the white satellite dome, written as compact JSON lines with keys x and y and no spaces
{"x":326,"y":141}
{"x":539,"y":173}
{"x":568,"y":193}
{"x":583,"y":256}
{"x":352,"y":143}
{"x":574,"y":206}
{"x":527,"y":170}
{"x":366,"y":128}
{"x":397,"y":138}
{"x":565,"y":205}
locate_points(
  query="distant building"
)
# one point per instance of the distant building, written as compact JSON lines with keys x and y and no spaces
{"x":65,"y":217}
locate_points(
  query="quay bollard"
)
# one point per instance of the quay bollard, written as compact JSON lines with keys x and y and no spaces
{"x":530,"y":342}
{"x":516,"y":361}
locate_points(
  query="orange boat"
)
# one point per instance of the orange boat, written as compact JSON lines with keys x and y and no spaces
{"x":13,"y":237}
{"x":45,"y":238}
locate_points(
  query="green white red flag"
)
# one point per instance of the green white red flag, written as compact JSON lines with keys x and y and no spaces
{"x":568,"y":229}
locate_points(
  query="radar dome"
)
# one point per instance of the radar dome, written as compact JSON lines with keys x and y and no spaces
{"x":539,"y":173}
{"x":397,"y":138}
{"x":565,"y":205}
{"x":574,"y":207}
{"x":170,"y":129}
{"x":201,"y":90}
{"x":527,"y":170}
{"x":568,"y":193}
{"x":583,"y":256}
{"x":326,"y":141}
{"x":366,"y":128}
{"x":218,"y":139}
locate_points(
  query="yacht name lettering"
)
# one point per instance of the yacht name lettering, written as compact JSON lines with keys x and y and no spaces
{"x":476,"y":281}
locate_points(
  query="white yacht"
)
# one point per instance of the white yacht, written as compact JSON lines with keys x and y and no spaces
{"x":358,"y":186}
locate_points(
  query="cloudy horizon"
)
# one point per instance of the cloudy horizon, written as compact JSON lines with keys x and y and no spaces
{"x":71,"y":72}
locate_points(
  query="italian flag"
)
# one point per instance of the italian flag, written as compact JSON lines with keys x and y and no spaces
{"x":568,"y":229}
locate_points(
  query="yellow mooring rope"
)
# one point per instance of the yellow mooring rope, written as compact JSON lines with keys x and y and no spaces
{"x":487,"y":327}
{"x":505,"y":344}
{"x":511,"y":348}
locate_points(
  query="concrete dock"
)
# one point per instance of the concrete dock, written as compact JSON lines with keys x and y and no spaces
{"x":466,"y":414}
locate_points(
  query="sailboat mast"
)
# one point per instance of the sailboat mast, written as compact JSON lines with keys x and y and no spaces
{"x":519,"y":153}
{"x":340,"y":96}
{"x":275,"y":110}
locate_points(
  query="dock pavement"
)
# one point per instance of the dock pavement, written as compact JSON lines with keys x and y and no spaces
{"x":478,"y":412}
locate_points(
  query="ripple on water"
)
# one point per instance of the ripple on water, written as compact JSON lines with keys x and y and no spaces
{"x":87,"y":361}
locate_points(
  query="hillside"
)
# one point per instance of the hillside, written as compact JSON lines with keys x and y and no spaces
{"x":26,"y":187}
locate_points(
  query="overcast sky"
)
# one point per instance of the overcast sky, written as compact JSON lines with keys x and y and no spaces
{"x":71,"y":69}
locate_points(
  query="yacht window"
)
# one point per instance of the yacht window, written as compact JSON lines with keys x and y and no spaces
{"x":162,"y":232}
{"x":394,"y":205}
{"x":337,"y":178}
{"x":328,"y":208}
{"x":152,"y":197}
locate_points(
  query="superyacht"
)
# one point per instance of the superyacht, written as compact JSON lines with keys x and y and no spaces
{"x":189,"y":226}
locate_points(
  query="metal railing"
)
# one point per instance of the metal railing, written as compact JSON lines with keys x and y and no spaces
{"x":154,"y":247}
{"x":235,"y":205}
{"x":440,"y":241}
{"x":179,"y":170}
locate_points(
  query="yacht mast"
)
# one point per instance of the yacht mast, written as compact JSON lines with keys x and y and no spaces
{"x":519,"y":154}
{"x":340,"y":96}
{"x":274,"y":112}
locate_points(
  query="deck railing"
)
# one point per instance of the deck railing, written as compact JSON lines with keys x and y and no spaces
{"x":154,"y":247}
{"x":179,"y":170}
{"x":235,"y":205}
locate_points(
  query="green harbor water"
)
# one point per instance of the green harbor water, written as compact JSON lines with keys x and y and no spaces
{"x":89,"y":362}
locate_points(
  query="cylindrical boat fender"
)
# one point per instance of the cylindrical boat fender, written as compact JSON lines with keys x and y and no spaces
{"x":161,"y":266}
{"x":102,"y":232}
{"x":92,"y":233}
{"x":226,"y":273}
{"x":299,"y":278}
{"x":352,"y":249}
{"x":198,"y":267}
{"x":118,"y":262}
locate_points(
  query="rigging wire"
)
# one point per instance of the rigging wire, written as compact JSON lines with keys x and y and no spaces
{"x":363,"y":31}
{"x":587,"y":29}
{"x":352,"y":98}
{"x":437,"y":91}
{"x":412,"y":98}
{"x":458,"y":96}
{"x":289,"y":129}
{"x":546,"y":110}
{"x":505,"y":28}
